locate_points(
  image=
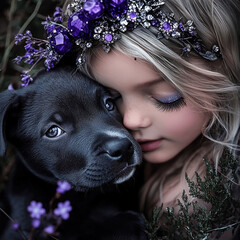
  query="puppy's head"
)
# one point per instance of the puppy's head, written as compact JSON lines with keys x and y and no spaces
{"x":65,"y":126}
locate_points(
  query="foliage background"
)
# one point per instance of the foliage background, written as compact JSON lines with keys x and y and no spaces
{"x":17,"y":16}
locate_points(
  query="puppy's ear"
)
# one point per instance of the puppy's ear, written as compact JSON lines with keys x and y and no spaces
{"x":7,"y":99}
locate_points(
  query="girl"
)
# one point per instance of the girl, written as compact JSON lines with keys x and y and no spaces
{"x":179,"y":108}
{"x":173,"y":70}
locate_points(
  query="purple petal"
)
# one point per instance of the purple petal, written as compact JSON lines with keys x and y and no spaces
{"x":15,"y":225}
{"x":10,"y":87}
{"x":36,"y":223}
{"x":49,"y":229}
{"x":63,"y":186}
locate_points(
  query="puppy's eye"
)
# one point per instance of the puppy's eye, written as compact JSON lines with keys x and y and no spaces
{"x":54,"y":131}
{"x":109,"y":104}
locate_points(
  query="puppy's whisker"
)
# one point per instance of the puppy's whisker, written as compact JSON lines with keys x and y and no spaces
{"x":131,"y":165}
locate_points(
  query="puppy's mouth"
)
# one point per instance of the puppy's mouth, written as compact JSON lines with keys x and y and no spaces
{"x":96,"y":176}
{"x":124,"y":175}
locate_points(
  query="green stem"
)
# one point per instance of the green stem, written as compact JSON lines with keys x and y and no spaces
{"x":224,"y":227}
{"x":32,"y":16}
{"x":9,"y":29}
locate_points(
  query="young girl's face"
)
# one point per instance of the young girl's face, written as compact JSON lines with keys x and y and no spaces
{"x":156,"y":114}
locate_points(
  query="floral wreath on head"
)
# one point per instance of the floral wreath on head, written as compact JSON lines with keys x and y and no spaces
{"x":94,"y":22}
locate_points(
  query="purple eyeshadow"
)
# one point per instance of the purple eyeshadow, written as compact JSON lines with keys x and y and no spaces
{"x":170,"y":99}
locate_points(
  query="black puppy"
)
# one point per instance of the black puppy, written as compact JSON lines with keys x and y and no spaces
{"x":65,"y":126}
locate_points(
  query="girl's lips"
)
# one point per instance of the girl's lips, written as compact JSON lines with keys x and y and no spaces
{"x":150,"y":145}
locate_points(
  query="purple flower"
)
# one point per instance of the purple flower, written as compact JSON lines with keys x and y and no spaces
{"x":49,"y":64}
{"x":63,"y":186}
{"x":28,"y":34}
{"x":49,"y":28}
{"x":49,"y":229}
{"x":51,"y":59}
{"x":29,"y":48}
{"x":15,"y":225}
{"x":10,"y":87}
{"x":18,"y":59}
{"x":36,"y":209}
{"x":47,"y":23}
{"x":58,"y":11}
{"x":63,"y":210}
{"x":26,"y":79}
{"x":36,"y":223}
{"x":29,"y":61}
{"x":57,"y":15}
{"x":19,"y":38}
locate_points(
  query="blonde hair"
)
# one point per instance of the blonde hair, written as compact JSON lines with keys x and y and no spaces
{"x":212,"y":86}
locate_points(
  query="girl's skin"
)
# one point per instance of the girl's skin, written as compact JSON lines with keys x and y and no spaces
{"x":156,"y":114}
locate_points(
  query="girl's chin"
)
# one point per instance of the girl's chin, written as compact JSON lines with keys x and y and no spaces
{"x":159,"y":156}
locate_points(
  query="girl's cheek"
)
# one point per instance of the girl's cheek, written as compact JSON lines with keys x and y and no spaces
{"x":184,"y":123}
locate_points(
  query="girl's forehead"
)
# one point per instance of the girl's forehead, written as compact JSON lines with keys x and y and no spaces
{"x":121,"y":62}
{"x":118,"y":67}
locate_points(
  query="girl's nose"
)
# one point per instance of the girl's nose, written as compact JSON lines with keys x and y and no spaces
{"x":134,"y":118}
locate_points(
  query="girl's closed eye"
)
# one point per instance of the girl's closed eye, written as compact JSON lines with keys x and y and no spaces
{"x":169,"y":103}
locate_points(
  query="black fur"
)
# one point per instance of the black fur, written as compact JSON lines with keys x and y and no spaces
{"x":94,"y":152}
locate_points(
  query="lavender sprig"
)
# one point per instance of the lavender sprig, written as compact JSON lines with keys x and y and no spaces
{"x":47,"y":221}
{"x":38,"y":49}
{"x":26,"y":79}
{"x":58,"y":15}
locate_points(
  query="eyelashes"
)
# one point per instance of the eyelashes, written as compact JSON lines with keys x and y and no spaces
{"x":168,"y":103}
{"x":171,"y":103}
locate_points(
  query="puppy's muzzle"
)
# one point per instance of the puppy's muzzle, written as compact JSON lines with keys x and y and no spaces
{"x":117,"y":149}
{"x":116,"y":156}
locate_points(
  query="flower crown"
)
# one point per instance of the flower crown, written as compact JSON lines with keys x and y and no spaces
{"x":94,"y":22}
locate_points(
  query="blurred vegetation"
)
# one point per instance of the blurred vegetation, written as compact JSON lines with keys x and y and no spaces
{"x":17,"y":16}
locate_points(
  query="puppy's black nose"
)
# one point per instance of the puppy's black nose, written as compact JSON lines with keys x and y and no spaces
{"x":118,"y":148}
